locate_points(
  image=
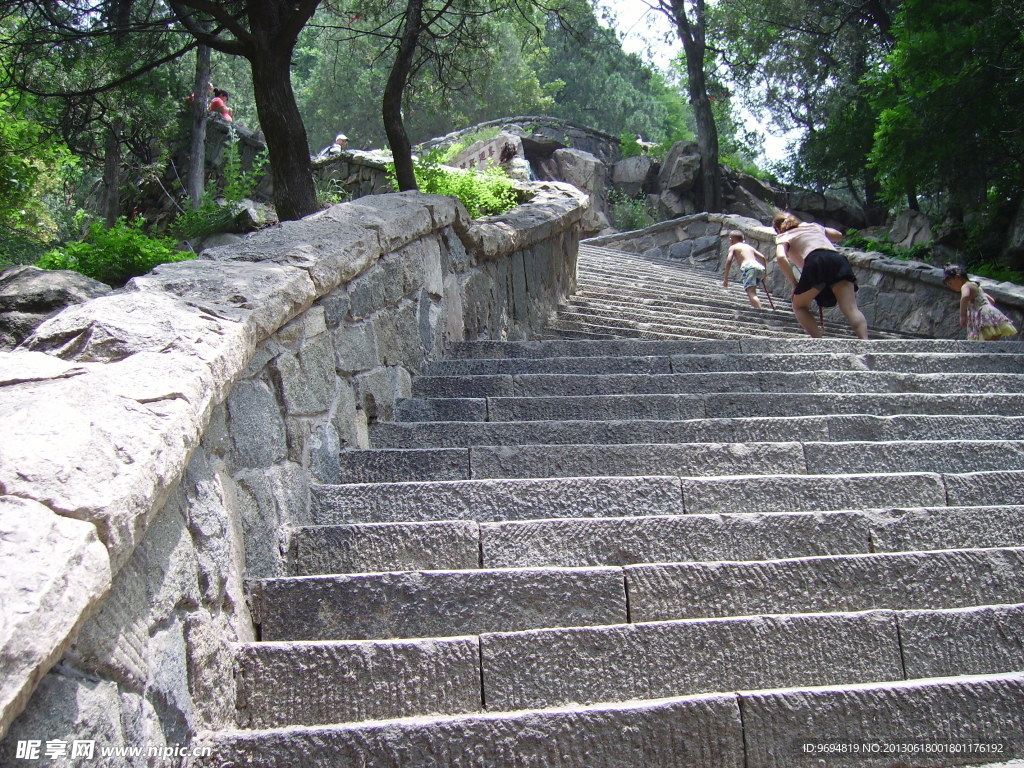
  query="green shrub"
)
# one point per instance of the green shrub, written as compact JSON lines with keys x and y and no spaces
{"x":629,"y":213}
{"x":114,"y":255}
{"x":629,"y":145}
{"x":212,"y":216}
{"x":483,"y":193}
{"x":330,"y":191}
{"x":919,"y":252}
{"x":999,"y":272}
{"x":453,"y":149}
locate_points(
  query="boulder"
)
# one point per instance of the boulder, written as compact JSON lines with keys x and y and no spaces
{"x":587,"y":174}
{"x":1013,"y":252}
{"x":29,"y":295}
{"x":629,"y":175}
{"x":681,"y":167}
{"x":910,"y":228}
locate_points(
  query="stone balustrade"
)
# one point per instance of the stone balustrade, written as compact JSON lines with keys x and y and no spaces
{"x":158,"y":440}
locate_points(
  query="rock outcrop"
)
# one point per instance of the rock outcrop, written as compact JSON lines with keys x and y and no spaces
{"x":29,"y":295}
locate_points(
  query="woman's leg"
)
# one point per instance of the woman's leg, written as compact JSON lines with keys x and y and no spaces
{"x":802,"y":309}
{"x":847,"y":298}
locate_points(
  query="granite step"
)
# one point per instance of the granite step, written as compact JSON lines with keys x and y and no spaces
{"x":694,"y":406}
{"x":895,"y":362}
{"x":924,"y":580}
{"x":390,"y":465}
{"x":580,"y":542}
{"x":455,"y":434}
{"x":769,"y":324}
{"x":588,"y":497}
{"x":376,"y":680}
{"x":782,"y":728}
{"x":621,"y":347}
{"x":619,"y":331}
{"x":409,"y":604}
{"x":546,"y":384}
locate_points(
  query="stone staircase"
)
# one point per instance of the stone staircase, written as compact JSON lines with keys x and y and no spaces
{"x":738,"y":553}
{"x":626,"y":295}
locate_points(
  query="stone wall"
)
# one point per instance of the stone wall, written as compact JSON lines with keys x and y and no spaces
{"x":159,"y":439}
{"x":355,"y":173}
{"x":898,"y":295}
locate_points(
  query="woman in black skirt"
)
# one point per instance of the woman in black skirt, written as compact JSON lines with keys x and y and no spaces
{"x":825,"y":274}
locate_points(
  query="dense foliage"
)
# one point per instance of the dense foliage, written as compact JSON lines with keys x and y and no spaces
{"x":114,"y":255}
{"x":483,"y":193}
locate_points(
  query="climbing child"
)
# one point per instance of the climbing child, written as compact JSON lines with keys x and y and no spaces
{"x":751,"y":263}
{"x":977,"y":312}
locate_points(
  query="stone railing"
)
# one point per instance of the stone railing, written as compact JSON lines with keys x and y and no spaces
{"x":905,"y":296}
{"x":159,"y":441}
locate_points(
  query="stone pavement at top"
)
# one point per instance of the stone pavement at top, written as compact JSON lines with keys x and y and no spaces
{"x":720,"y":547}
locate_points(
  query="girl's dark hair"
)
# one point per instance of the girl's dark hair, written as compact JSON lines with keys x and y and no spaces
{"x":953,"y":270}
{"x":222,"y":93}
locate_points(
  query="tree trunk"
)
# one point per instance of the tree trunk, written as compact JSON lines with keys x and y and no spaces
{"x":691,"y":33}
{"x":287,"y":144}
{"x":197,"y":146}
{"x":391,"y":105}
{"x":112,"y":174}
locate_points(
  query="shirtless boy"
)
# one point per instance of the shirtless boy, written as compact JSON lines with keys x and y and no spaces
{"x":751,"y":263}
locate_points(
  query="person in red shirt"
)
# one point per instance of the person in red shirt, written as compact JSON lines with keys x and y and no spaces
{"x":219,"y":104}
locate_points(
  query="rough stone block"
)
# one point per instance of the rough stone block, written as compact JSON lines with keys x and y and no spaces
{"x":435,"y":603}
{"x":282,"y":684}
{"x":404,"y":465}
{"x":900,"y":581}
{"x":917,"y":456}
{"x":55,"y":572}
{"x":902,"y":530}
{"x":554,"y":667}
{"x":255,"y":425}
{"x":678,"y":538}
{"x":370,"y":547}
{"x":985,"y":488}
{"x":488,"y":500}
{"x":610,"y":460}
{"x":967,"y":711}
{"x":697,"y":732}
{"x":966,"y":641}
{"x":805,"y":493}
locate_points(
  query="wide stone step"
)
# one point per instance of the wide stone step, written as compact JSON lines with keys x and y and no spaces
{"x":580,"y":542}
{"x":311,"y":683}
{"x":542,"y":384}
{"x":620,"y":347}
{"x":836,"y":583}
{"x":435,"y":603}
{"x":448,"y":603}
{"x":676,"y":321}
{"x":640,"y":331}
{"x":978,"y":716}
{"x":896,"y":362}
{"x":554,"y":667}
{"x":456,"y":434}
{"x":668,"y":310}
{"x":682,"y":459}
{"x":533,"y":499}
{"x":720,"y":405}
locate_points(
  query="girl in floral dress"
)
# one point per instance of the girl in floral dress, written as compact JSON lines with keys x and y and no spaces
{"x":977,"y":312}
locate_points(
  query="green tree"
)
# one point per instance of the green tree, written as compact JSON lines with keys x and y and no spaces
{"x":32,"y":162}
{"x":801,"y":62}
{"x":951,"y":99}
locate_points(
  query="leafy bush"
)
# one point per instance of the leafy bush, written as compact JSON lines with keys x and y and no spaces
{"x":114,"y":255}
{"x":999,"y":272}
{"x":483,"y":193}
{"x":629,"y":145}
{"x":629,"y":213}
{"x":484,"y":134}
{"x":330,"y":191}
{"x":919,"y":252}
{"x":214,"y":216}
